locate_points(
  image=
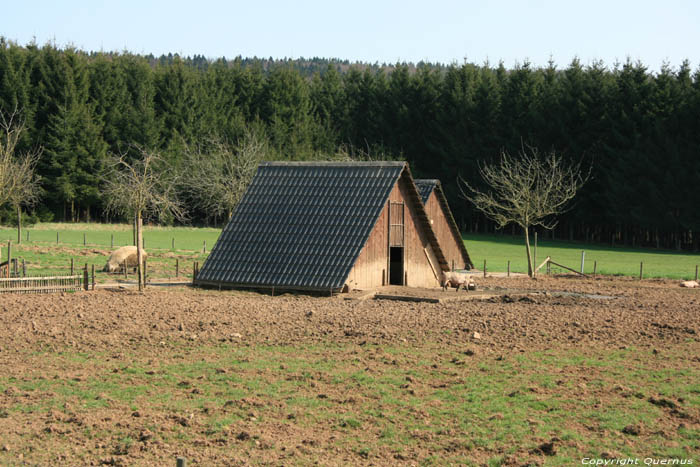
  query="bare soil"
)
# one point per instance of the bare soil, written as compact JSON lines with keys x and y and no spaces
{"x":116,"y":329}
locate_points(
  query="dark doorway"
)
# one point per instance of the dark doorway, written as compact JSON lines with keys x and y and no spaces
{"x":396,"y":265}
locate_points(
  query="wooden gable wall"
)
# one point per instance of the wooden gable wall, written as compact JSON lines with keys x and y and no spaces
{"x":372,"y":266}
{"x":444,"y":233}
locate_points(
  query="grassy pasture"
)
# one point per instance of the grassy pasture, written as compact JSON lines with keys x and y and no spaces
{"x":375,"y":403}
{"x":498,"y":250}
{"x":45,"y":255}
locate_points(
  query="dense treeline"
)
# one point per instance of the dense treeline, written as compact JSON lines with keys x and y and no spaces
{"x":639,"y":130}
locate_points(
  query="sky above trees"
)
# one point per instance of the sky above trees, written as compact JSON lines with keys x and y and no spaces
{"x":443,"y":31}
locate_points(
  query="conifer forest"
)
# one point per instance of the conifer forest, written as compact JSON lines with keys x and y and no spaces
{"x":637,"y":129}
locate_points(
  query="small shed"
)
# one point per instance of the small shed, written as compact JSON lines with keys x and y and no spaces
{"x":327,"y":226}
{"x":443,"y":223}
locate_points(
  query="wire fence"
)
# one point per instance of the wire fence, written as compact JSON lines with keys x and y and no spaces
{"x":160,"y":240}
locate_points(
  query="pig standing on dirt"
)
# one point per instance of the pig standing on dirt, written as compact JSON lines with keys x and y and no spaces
{"x":125,"y":253}
{"x":457,"y":279}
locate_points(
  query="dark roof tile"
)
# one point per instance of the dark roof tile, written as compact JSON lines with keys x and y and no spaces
{"x":301,"y":225}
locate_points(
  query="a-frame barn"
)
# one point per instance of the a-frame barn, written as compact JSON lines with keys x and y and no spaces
{"x":327,"y":226}
{"x":443,"y":224}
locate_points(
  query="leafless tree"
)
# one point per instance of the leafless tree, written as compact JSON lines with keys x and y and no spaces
{"x":528,"y":190}
{"x":141,"y":188}
{"x":19,"y":183}
{"x":217,"y":173}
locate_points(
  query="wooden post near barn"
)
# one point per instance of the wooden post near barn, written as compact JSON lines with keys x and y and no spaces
{"x":126,"y":273}
{"x":112,"y":242}
{"x":696,"y":273}
{"x":534,"y":259}
{"x":9,"y":256}
{"x":641,"y":270}
{"x":93,"y":277}
{"x":583,"y":260}
{"x":204,"y":248}
{"x":84,"y":239}
{"x":27,"y":235}
{"x":85,"y":278}
{"x":177,"y":267}
{"x":508,"y":268}
{"x":24,"y":268}
{"x":595,"y":266}
{"x":484,"y":268}
{"x":71,"y":267}
{"x":57,"y":238}
{"x":173,"y":244}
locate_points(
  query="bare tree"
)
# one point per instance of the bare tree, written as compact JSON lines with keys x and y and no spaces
{"x":19,"y":183}
{"x":141,"y":188}
{"x":217,"y":173}
{"x":528,"y":190}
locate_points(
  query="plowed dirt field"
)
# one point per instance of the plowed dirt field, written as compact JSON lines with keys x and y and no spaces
{"x":576,"y":368}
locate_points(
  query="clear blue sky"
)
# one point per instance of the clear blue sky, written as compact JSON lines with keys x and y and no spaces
{"x":385,"y":31}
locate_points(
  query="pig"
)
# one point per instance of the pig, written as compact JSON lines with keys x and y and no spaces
{"x":457,"y":279}
{"x":117,"y":258}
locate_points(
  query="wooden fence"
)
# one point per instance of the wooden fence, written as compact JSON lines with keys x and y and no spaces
{"x":40,"y":284}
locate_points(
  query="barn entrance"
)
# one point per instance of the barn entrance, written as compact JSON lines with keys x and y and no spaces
{"x":396,"y":243}
{"x":396,"y":265}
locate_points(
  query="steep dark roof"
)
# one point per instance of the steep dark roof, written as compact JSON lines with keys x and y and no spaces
{"x":426,"y":187}
{"x":302,"y":225}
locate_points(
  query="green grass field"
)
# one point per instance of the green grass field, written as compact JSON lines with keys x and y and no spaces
{"x":498,"y":250}
{"x":91,"y":244}
{"x":189,"y":243}
{"x":515,"y":403}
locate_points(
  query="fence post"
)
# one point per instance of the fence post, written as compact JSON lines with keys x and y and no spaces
{"x":145,"y":271}
{"x":583,"y":260}
{"x":93,"y":277}
{"x":27,"y":235}
{"x":696,"y":273}
{"x":84,"y":239}
{"x":126,"y":273}
{"x":177,"y":267}
{"x":595,"y":266}
{"x":56,"y":237}
{"x":641,"y":270}
{"x":173,"y":244}
{"x":9,"y":256}
{"x":85,"y":278}
{"x":112,"y":243}
{"x":24,"y":268}
{"x":508,"y":268}
{"x":204,"y":248}
{"x":71,"y":267}
{"x":484,"y":268}
{"x":535,"y":252}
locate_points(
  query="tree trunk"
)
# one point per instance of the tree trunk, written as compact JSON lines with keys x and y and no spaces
{"x":139,"y":248}
{"x":19,"y":224}
{"x":529,"y":257}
